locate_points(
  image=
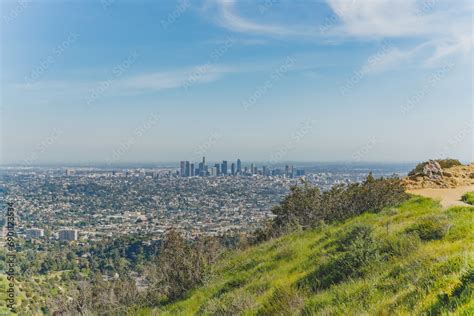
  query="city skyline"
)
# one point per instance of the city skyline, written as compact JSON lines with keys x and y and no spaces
{"x":116,"y":82}
{"x":188,"y":169}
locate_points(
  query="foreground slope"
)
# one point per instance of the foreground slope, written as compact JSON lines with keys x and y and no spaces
{"x":408,"y":260}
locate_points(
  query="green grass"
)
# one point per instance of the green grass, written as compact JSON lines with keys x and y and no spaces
{"x":419,"y":259}
{"x":468,"y":198}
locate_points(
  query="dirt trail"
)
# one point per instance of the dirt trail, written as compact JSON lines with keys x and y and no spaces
{"x":447,"y":197}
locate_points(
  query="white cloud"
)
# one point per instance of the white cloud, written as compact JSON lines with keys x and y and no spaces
{"x":148,"y":82}
{"x":381,"y":18}
{"x":438,"y":29}
{"x":229,"y":18}
{"x":175,"y":79}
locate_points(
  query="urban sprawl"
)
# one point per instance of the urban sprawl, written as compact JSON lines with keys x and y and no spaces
{"x":91,"y":203}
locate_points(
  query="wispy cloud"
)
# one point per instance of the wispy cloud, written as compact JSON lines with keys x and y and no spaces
{"x":229,"y":18}
{"x":174,"y":79}
{"x":132,"y":84}
{"x":437,"y":29}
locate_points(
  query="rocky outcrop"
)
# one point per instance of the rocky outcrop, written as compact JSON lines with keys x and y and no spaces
{"x":430,"y":174}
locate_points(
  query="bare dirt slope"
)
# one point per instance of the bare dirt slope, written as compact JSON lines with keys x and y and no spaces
{"x":447,"y":197}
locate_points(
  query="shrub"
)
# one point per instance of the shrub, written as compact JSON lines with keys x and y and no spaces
{"x":284,"y":301}
{"x":233,"y":303}
{"x":359,"y":253}
{"x":358,"y":232}
{"x":448,"y":163}
{"x":181,"y":266}
{"x":429,"y":228}
{"x":285,"y":254}
{"x":468,"y":198}
{"x":398,"y":246}
{"x":306,"y":206}
{"x":231,"y":285}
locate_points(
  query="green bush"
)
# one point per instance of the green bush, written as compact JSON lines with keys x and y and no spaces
{"x":233,"y":303}
{"x":359,"y":253}
{"x":468,"y":198}
{"x":306,"y":206}
{"x":397,"y":246}
{"x":231,"y":285}
{"x":358,"y":232}
{"x":284,"y":301}
{"x":429,"y":228}
{"x":448,"y":163}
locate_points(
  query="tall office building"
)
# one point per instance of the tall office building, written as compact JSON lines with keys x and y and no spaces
{"x":252,"y":167}
{"x":239,"y":166}
{"x":232,"y":169}
{"x":218,"y":169}
{"x":265,"y":171}
{"x":203,"y":167}
{"x":224,"y":167}
{"x":289,"y":171}
{"x":213,"y":171}
{"x":192,"y":170}
{"x":188,"y":169}
{"x":182,"y":169}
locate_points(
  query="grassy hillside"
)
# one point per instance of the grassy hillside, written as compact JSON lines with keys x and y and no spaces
{"x":408,"y":260}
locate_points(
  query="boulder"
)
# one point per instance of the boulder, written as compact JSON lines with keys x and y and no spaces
{"x":432,"y":170}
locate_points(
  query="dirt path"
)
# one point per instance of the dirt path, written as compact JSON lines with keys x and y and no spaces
{"x":447,"y":197}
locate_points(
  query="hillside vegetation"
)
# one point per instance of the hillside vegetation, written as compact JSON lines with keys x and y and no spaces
{"x":468,"y":198}
{"x":411,"y":259}
{"x":364,"y":248}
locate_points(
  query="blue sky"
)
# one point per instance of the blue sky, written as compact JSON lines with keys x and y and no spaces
{"x":269,"y":80}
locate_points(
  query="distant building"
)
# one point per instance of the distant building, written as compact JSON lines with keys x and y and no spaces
{"x":299,"y":172}
{"x":69,"y":172}
{"x":34,"y":233}
{"x":239,"y":166}
{"x":187,"y":170}
{"x":224,"y":167}
{"x":182,"y":169}
{"x":192,"y":170}
{"x":289,"y":171}
{"x":232,"y":169}
{"x":68,"y":234}
{"x":218,"y":169}
{"x":213,"y":171}
{"x":203,"y":168}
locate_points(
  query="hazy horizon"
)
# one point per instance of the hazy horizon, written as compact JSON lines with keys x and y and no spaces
{"x":118,"y":81}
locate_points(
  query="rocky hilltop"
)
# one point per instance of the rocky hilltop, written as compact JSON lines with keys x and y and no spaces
{"x":440,"y":174}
